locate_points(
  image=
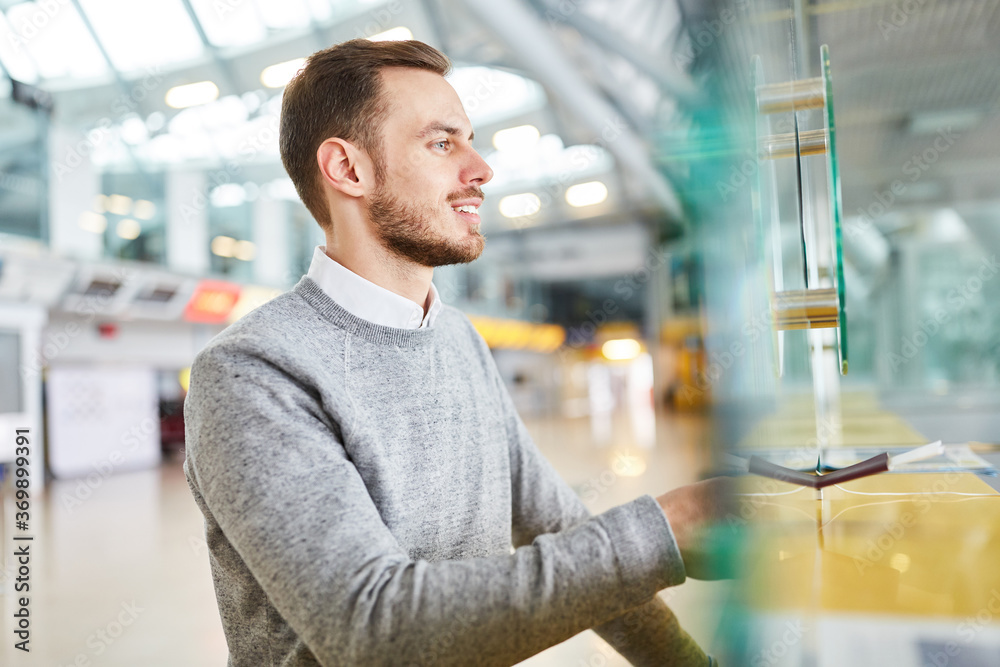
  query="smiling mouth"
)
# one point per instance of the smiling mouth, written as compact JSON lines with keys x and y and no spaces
{"x":468,"y":213}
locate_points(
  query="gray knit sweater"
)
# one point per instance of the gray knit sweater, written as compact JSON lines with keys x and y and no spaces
{"x":362,"y":487}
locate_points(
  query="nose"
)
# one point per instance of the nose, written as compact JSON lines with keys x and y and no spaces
{"x":478,"y":172}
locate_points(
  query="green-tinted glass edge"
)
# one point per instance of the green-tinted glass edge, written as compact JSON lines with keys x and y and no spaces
{"x":833,"y":169}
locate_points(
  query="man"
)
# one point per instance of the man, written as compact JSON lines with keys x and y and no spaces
{"x":362,"y":470}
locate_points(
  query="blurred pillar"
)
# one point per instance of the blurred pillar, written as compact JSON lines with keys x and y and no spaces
{"x":271,"y":231}
{"x":187,"y":222}
{"x":74,"y":183}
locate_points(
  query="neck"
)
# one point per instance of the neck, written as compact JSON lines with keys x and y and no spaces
{"x":376,"y":264}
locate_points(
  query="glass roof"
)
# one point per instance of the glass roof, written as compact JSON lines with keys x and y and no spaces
{"x":47,"y":42}
{"x":139,"y":35}
{"x":50,"y":40}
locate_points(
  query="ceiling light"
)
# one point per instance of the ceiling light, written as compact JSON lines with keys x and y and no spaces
{"x":155,"y":121}
{"x":517,"y":138}
{"x":93,"y":222}
{"x":244,"y":250}
{"x":133,"y":131}
{"x":119,"y":204}
{"x":586,"y":194}
{"x":223,"y":246}
{"x":518,"y":206}
{"x":144,"y":209}
{"x":228,"y":194}
{"x":279,"y":75}
{"x":192,"y":94}
{"x":621,"y":349}
{"x":392,"y":35}
{"x":128,"y":229}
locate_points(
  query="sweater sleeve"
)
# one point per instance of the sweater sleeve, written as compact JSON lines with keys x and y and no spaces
{"x":648,"y":634}
{"x":267,"y":461}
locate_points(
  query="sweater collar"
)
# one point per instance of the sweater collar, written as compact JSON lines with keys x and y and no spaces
{"x":366,"y":299}
{"x":316,"y":297}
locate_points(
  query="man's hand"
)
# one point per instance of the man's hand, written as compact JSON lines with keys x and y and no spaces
{"x":696,"y":511}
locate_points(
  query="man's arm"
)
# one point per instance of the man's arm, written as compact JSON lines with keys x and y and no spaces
{"x":269,"y":465}
{"x":647,"y":635}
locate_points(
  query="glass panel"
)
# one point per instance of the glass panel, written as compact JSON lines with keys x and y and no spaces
{"x":833,"y":169}
{"x":23,"y":167}
{"x":135,"y":207}
{"x":230,"y":232}
{"x":54,"y":39}
{"x":138,"y":35}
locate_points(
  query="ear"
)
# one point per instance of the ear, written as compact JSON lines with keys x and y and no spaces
{"x":343,"y":166}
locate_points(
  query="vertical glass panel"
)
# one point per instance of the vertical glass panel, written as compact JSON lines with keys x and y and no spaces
{"x":229,"y":25}
{"x":230,"y":232}
{"x":135,"y":207}
{"x":143,"y":34}
{"x":53,"y":37}
{"x":23,"y":168}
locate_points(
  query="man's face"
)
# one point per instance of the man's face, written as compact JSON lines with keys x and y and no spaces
{"x":420,"y":210}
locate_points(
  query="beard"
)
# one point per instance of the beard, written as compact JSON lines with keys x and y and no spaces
{"x":407,"y":231}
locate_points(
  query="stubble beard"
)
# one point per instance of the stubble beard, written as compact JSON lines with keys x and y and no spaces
{"x":407,"y":231}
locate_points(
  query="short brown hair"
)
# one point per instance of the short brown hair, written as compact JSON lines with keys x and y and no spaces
{"x":338,"y":93}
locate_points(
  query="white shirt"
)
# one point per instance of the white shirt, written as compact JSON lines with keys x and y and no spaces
{"x":363,"y":298}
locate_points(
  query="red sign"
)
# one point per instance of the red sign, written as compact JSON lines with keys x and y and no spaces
{"x":212,"y":302}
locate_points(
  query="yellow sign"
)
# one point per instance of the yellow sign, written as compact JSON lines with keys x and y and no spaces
{"x":519,"y":335}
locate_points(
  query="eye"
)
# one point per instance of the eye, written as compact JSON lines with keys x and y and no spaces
{"x":443,"y":143}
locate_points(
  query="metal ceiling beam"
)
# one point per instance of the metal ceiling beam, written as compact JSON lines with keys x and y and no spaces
{"x":122,"y":84}
{"x":521,"y":29}
{"x":225,"y":66}
{"x":673,"y":82}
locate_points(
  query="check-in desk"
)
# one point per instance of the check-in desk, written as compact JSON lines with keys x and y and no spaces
{"x":894,"y":569}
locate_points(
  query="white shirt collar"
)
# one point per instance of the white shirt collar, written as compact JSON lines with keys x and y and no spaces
{"x":365,"y":299}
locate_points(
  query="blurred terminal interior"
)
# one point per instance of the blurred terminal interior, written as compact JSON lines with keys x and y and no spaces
{"x":639,"y":223}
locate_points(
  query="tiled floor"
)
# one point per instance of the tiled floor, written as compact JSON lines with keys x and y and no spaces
{"x":120,"y":575}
